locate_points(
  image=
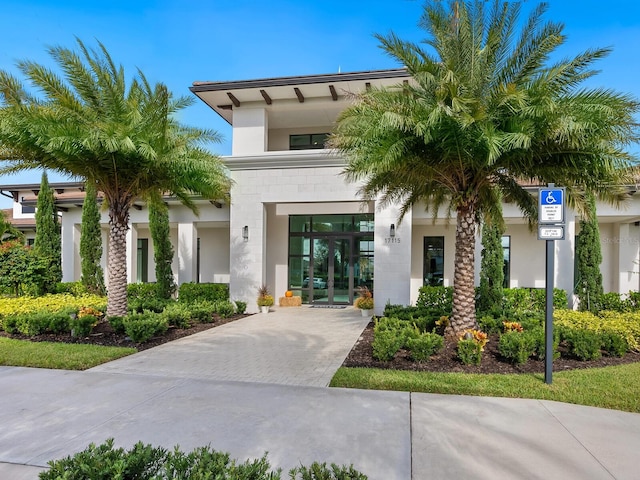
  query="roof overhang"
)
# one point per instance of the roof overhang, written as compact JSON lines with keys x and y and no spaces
{"x":331,"y":89}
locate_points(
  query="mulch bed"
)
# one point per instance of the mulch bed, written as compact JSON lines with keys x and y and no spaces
{"x":361,"y":355}
{"x":103,"y":334}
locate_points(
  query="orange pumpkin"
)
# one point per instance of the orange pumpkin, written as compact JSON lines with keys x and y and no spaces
{"x":288,"y":294}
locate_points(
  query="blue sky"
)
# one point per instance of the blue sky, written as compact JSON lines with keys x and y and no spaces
{"x":179,"y":42}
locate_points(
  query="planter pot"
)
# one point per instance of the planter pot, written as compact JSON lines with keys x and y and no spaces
{"x":264,"y":309}
{"x":367,"y":313}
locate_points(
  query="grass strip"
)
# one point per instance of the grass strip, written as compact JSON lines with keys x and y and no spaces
{"x":615,"y":387}
{"x":63,"y":356}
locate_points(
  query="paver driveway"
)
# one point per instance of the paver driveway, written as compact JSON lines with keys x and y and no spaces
{"x":289,"y":346}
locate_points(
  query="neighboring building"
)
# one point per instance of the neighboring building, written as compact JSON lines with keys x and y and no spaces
{"x":295,"y":224}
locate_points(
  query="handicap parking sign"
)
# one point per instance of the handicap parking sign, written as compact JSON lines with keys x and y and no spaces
{"x":551,"y":205}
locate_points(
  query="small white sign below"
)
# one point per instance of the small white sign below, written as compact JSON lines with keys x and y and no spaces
{"x":548,"y":232}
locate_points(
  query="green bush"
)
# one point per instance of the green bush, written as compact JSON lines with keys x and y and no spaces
{"x":386,"y":344}
{"x":538,"y":335}
{"x":633,"y":301}
{"x":615,"y":345}
{"x":583,"y":344}
{"x":424,"y":346}
{"x":141,"y":291}
{"x":177,"y":315}
{"x":143,"y":326}
{"x":201,"y":312}
{"x":32,"y":324}
{"x":439,"y":298}
{"x":518,"y":300}
{"x":10,"y":323}
{"x":59,"y":322}
{"x":149,"y":304}
{"x":612,"y":302}
{"x":74,"y":288}
{"x":469,"y":352}
{"x":490,"y":324}
{"x":82,"y":326}
{"x":241,"y":307}
{"x":516,"y":347}
{"x":117,"y":323}
{"x":145,"y":462}
{"x":197,"y":292}
{"x":225,"y":308}
{"x":320,"y":471}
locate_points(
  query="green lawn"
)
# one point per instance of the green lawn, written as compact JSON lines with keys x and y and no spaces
{"x":611,"y":387}
{"x":64,"y":356}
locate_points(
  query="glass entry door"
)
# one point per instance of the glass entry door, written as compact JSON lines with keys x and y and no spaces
{"x":331,"y":272}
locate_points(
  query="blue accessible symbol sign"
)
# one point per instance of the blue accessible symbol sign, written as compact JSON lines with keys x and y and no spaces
{"x":551,"y":205}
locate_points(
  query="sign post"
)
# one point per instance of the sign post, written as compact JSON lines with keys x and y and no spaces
{"x":551,"y":201}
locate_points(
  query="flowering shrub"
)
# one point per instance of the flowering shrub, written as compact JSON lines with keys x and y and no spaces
{"x":627,"y":325}
{"x":477,"y":336}
{"x":512,"y":327}
{"x":89,"y":311}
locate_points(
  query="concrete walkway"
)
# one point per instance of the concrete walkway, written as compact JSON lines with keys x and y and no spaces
{"x":47,"y":414}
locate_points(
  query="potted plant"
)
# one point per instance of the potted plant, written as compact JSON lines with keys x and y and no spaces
{"x":364,"y":301}
{"x":265,"y":299}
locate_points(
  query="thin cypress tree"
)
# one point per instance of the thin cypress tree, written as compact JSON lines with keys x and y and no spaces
{"x":162,"y":248}
{"x":48,"y":242}
{"x":491,"y":268}
{"x":91,"y":243}
{"x":589,"y":255}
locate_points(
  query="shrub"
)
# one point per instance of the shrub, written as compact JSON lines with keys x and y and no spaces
{"x":633,"y":301}
{"x":10,"y":323}
{"x":32,"y":324}
{"x":538,"y":336}
{"x":150,"y":304}
{"x":74,"y":288}
{"x":117,"y":323}
{"x":438,"y":298}
{"x":141,"y":291}
{"x":177,"y":315}
{"x":516,"y":346}
{"x":469,"y":352}
{"x":201,"y":312}
{"x":145,"y":462}
{"x":625,"y":324}
{"x":81,"y":326}
{"x":490,"y":324}
{"x":197,"y":292}
{"x":50,"y":303}
{"x":320,"y":471}
{"x":614,"y":344}
{"x":141,"y":327}
{"x":583,"y":344}
{"x":241,"y":307}
{"x":424,"y":318}
{"x":386,"y":344}
{"x":225,"y":308}
{"x":611,"y":301}
{"x":425,"y":345}
{"x":59,"y":322}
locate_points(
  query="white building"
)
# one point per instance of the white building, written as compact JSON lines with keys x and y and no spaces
{"x":295,"y":224}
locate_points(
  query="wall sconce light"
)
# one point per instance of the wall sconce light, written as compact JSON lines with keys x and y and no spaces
{"x":392,"y":230}
{"x":245,"y":233}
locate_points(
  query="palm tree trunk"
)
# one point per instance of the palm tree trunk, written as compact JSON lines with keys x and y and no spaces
{"x":117,"y":259}
{"x":464,"y":305}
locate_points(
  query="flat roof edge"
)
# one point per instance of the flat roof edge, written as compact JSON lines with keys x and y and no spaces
{"x":298,"y":80}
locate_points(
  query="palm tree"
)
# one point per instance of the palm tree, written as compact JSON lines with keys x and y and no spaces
{"x":8,"y":231}
{"x":124,"y":139}
{"x":484,"y":113}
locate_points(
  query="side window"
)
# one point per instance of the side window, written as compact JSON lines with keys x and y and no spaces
{"x":506,"y":255}
{"x":307,"y":141}
{"x":143,"y":260}
{"x":433,"y":266}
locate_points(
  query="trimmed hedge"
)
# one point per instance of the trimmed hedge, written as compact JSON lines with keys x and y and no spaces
{"x":627,"y":325}
{"x":198,"y":292}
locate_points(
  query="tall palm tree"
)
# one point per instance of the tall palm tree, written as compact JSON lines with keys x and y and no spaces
{"x":124,"y":139}
{"x":485,"y":111}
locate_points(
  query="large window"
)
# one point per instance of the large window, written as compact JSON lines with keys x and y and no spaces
{"x":307,"y":141}
{"x":433,"y":268}
{"x":506,"y":255}
{"x":143,"y":260}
